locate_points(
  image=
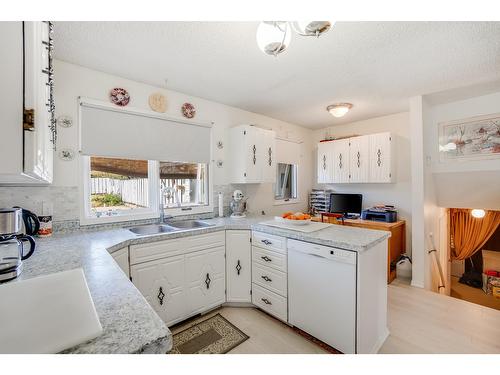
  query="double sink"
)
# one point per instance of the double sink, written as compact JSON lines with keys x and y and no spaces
{"x":144,"y":230}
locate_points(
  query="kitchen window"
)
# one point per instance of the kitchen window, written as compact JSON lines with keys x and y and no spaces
{"x":286,"y":183}
{"x":116,"y":189}
{"x":184,"y":187}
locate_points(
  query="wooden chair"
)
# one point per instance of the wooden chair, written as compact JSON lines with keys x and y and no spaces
{"x":332,"y":218}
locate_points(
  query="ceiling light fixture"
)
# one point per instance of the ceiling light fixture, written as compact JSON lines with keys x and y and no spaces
{"x":478,"y":213}
{"x":273,"y":37}
{"x":339,"y":109}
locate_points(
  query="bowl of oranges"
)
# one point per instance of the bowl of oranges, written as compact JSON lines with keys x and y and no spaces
{"x":297,"y":218}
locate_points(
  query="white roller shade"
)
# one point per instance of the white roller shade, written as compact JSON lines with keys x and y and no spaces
{"x":137,"y":134}
{"x":287,"y":152}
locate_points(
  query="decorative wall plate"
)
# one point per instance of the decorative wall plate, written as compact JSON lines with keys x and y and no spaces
{"x":188,"y":110}
{"x":65,"y":121}
{"x":66,"y":154}
{"x":119,"y":96}
{"x":158,"y":102}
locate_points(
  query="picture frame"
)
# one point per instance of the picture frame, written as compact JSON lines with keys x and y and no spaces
{"x":473,"y":138}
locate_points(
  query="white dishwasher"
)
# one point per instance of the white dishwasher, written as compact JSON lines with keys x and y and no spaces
{"x":322,"y":293}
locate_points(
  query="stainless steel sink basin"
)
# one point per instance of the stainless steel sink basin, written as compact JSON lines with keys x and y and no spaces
{"x":189,"y":224}
{"x":152,"y":229}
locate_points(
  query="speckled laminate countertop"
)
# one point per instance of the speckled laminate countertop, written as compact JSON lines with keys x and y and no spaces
{"x":130,"y":325}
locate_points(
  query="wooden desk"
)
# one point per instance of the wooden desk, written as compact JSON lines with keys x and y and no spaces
{"x":397,"y":241}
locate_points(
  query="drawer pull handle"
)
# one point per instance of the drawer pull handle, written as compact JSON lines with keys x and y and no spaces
{"x":161,"y":295}
{"x":266,"y":258}
{"x":266,"y":242}
{"x":266,"y":301}
{"x":207,"y":281}
{"x":238,"y":267}
{"x":267,"y":278}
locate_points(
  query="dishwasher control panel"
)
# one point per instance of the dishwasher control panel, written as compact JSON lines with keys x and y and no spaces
{"x":327,"y":252}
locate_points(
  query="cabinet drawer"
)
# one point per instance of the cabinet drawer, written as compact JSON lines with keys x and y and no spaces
{"x":206,"y":241}
{"x":269,"y":278}
{"x":270,"y":302}
{"x":156,"y":250}
{"x":269,"y":258}
{"x":269,"y":241}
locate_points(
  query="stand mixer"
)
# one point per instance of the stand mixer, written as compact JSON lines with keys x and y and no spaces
{"x":238,"y":205}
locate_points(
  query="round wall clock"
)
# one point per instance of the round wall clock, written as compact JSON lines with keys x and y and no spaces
{"x":188,"y":110}
{"x":158,"y":102}
{"x":119,"y":96}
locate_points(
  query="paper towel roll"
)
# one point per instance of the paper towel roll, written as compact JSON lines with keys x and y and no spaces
{"x":221,"y":205}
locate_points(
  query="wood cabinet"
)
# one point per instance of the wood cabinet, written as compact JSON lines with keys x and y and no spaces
{"x":252,"y":155}
{"x":27,"y":103}
{"x":181,"y":277}
{"x":238,"y":266}
{"x":269,"y":274}
{"x":363,"y":159}
{"x":396,"y":243}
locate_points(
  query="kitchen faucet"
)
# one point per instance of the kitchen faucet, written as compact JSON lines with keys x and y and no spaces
{"x":163,"y":191}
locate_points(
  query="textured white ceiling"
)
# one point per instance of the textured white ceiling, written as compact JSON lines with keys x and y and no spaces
{"x":374,"y":65}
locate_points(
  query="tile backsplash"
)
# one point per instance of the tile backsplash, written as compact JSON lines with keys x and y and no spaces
{"x":64,"y":201}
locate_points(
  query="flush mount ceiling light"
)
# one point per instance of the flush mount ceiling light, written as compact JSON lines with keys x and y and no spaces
{"x":478,"y":213}
{"x":273,"y":37}
{"x":339,"y":109}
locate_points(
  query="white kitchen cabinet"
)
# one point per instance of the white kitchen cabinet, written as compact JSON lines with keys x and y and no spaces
{"x":381,"y":158}
{"x":26,"y":104}
{"x":269,"y":274}
{"x":181,"y":277}
{"x":362,"y":159}
{"x":340,"y":156}
{"x":205,"y":280}
{"x":325,"y":163}
{"x":238,"y":266}
{"x":251,"y":155}
{"x":359,"y":159}
{"x":121,"y":258}
{"x":162,"y":283}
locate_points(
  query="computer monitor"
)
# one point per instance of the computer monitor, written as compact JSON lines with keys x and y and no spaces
{"x":346,"y":204}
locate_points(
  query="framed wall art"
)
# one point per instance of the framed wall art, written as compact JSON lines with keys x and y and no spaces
{"x":473,"y":138}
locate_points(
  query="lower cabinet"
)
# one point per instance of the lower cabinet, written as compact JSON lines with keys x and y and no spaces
{"x":182,"y":285}
{"x":205,"y":281}
{"x":238,"y":266}
{"x":269,"y":274}
{"x":121,"y":258}
{"x":162,"y":283}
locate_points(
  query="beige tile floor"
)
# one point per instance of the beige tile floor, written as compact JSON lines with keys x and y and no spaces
{"x":419,"y":321}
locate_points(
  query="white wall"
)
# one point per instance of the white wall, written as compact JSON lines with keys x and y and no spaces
{"x":72,"y":81}
{"x":398,"y":193}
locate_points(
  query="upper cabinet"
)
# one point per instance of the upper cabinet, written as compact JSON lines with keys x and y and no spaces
{"x":363,"y":159}
{"x":27,"y":103}
{"x":252,"y":155}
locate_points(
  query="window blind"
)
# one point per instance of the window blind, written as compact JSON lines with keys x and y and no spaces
{"x":138,"y":134}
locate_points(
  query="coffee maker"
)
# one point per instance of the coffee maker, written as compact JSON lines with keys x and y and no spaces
{"x":12,"y":243}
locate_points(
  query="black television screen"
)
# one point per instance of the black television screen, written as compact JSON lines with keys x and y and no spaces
{"x":346,"y":203}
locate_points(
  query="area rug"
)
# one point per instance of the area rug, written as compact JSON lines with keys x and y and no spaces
{"x":214,"y":335}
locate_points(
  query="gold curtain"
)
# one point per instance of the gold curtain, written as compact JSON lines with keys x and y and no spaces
{"x":469,"y":234}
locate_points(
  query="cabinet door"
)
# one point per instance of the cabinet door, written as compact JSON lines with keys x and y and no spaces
{"x":161,"y":282}
{"x":253,"y":151}
{"x":381,"y":158}
{"x":238,"y":266}
{"x":325,"y":166}
{"x":359,"y":159}
{"x":205,"y":279}
{"x":267,"y":156}
{"x":340,"y":161}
